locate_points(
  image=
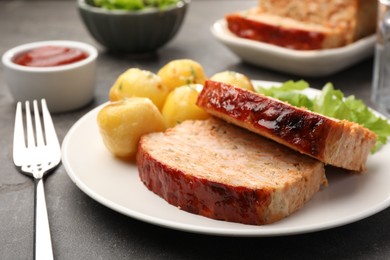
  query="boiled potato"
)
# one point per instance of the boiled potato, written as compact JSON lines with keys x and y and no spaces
{"x":180,"y":105}
{"x":122,"y":123}
{"x":182,"y":72}
{"x":139,"y":83}
{"x":234,"y":78}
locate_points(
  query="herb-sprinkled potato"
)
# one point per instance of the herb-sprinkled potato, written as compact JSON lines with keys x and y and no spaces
{"x":122,"y":123}
{"x":234,"y":78}
{"x":180,"y":105}
{"x":182,"y":72}
{"x":139,"y":83}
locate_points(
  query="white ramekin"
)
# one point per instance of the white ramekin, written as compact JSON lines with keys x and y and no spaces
{"x":66,"y":87}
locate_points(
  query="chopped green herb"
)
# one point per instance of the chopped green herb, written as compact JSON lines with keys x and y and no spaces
{"x":193,"y":74}
{"x":331,"y":102}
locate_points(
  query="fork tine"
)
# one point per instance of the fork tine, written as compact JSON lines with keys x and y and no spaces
{"x":38,"y":126}
{"x":50,"y":132}
{"x":30,"y":130}
{"x":19,"y":143}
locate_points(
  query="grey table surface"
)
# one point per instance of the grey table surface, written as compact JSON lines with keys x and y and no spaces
{"x":82,"y":228}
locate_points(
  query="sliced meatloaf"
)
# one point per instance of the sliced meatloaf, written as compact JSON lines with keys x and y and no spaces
{"x":284,"y":31}
{"x":306,"y":24}
{"x":336,"y":142}
{"x":356,"y":18}
{"x":221,"y":171}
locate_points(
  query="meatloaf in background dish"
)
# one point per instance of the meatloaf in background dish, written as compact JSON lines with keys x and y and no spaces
{"x":224,"y":172}
{"x":284,"y":32}
{"x":355,"y":18}
{"x":306,"y":24}
{"x":336,"y":142}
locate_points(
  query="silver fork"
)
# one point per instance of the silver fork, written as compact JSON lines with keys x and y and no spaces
{"x":35,"y":158}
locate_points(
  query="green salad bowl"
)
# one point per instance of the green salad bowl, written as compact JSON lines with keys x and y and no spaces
{"x":141,"y":31}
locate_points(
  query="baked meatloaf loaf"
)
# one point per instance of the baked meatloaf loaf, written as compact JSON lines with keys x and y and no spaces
{"x":221,"y":171}
{"x":336,"y":142}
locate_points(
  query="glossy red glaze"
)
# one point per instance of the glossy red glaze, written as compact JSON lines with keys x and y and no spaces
{"x":288,"y":38}
{"x":49,"y":56}
{"x":201,"y":196}
{"x":302,"y":130}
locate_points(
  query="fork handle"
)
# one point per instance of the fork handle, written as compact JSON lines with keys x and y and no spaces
{"x":42,"y":240}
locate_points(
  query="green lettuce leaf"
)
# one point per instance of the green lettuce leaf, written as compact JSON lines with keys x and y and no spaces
{"x":332,"y":102}
{"x":290,"y":92}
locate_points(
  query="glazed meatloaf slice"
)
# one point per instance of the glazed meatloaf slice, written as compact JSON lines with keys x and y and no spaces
{"x":336,"y":142}
{"x":283,"y":31}
{"x":221,"y":171}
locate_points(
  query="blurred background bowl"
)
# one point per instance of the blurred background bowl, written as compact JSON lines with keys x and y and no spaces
{"x":65,"y":87}
{"x":141,"y":31}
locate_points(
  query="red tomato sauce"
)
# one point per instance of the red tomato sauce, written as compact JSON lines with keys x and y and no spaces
{"x":49,"y":56}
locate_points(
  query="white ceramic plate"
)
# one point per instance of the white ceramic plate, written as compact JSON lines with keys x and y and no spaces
{"x":115,"y":184}
{"x":302,"y":63}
